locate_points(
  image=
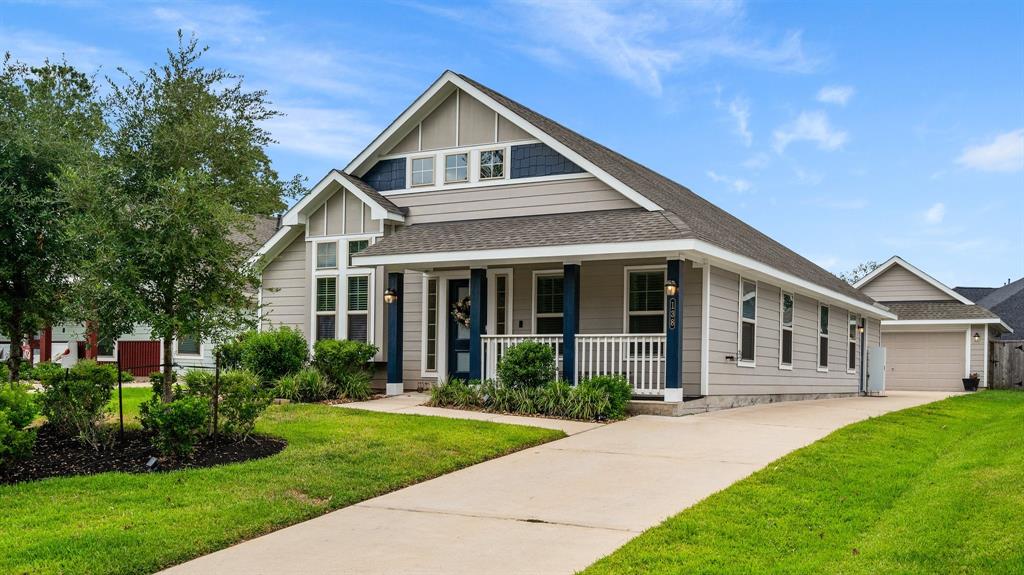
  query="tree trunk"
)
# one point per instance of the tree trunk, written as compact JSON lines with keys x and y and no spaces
{"x":14,"y":362}
{"x":168,"y":389}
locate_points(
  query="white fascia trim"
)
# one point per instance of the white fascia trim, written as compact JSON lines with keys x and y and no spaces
{"x":377,"y":211}
{"x":600,"y":251}
{"x":894,"y":260}
{"x":453,"y":78}
{"x":986,"y":321}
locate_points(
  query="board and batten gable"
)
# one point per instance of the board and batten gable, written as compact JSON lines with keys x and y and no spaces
{"x":899,"y":284}
{"x":727,"y":377}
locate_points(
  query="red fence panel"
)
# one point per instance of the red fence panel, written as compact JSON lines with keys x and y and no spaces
{"x":145,"y":354}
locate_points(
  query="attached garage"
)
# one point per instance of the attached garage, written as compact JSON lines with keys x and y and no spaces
{"x":925,"y":360}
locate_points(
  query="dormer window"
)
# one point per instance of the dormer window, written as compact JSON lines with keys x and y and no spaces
{"x":492,"y":164}
{"x":423,"y":171}
{"x":456,"y":168}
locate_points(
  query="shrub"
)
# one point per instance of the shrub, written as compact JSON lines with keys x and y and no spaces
{"x":231,"y":351}
{"x":553,"y":398}
{"x":272,"y":354}
{"x":456,"y":393}
{"x":156,"y":382}
{"x":42,"y":370}
{"x":198,"y":382}
{"x":243,"y":399}
{"x":345,"y":364}
{"x":5,"y":373}
{"x":528,"y":364}
{"x":75,"y":403}
{"x":177,"y":425}
{"x":619,"y":393}
{"x":587,"y":403}
{"x":307,"y":385}
{"x":17,"y":410}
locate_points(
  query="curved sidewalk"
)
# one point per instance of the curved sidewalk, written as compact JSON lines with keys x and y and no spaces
{"x":554,"y":508}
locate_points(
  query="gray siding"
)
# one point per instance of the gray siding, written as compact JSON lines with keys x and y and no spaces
{"x":286,"y":287}
{"x":439,"y":127}
{"x":573,"y":195}
{"x":476,"y":121}
{"x":727,"y":378}
{"x":898,"y":284}
{"x":978,"y":351}
{"x":412,"y":326}
{"x":342,"y":214}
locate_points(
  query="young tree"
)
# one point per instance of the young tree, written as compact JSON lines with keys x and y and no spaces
{"x":50,"y":121}
{"x":187,"y":172}
{"x":853,"y":276}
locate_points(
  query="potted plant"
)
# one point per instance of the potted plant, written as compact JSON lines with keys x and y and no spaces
{"x":971,"y":383}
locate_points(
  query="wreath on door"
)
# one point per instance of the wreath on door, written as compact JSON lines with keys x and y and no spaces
{"x":460,"y":311}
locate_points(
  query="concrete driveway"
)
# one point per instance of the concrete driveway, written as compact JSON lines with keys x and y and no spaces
{"x":554,"y":508}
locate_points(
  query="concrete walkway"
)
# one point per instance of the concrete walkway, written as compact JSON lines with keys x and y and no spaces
{"x":555,"y":508}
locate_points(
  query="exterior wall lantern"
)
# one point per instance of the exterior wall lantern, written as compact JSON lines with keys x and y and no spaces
{"x":671,"y":288}
{"x":977,"y":337}
{"x":390,"y":296}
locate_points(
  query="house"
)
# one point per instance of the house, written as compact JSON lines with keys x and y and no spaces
{"x":1007,"y":302}
{"x":939,"y":336}
{"x":470,"y":202}
{"x":137,"y":351}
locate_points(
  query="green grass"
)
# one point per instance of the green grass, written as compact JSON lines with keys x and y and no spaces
{"x":933,"y":489}
{"x":125,"y":523}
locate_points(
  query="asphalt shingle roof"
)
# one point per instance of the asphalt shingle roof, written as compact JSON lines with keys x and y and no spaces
{"x":1007,"y":302}
{"x":974,"y":293}
{"x":373,"y":193}
{"x":687,"y":214}
{"x":912,"y":310}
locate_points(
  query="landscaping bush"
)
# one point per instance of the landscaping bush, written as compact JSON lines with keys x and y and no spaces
{"x":41,"y":371}
{"x":456,"y":393}
{"x":275,"y":353}
{"x":307,"y":385}
{"x":553,"y":398}
{"x":346,"y":366}
{"x":527,"y":364}
{"x":619,"y":393}
{"x":198,"y":382}
{"x":587,"y":403}
{"x":75,"y":403}
{"x":177,"y":425}
{"x":5,"y":373}
{"x":156,"y":382}
{"x":231,"y":351}
{"x":243,"y":399}
{"x":17,"y":410}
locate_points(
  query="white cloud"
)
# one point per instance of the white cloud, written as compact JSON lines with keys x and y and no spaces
{"x":739,"y":109}
{"x":839,"y":95}
{"x":1005,"y":153}
{"x":738,"y":185}
{"x":758,"y":161}
{"x":326,"y":132}
{"x":810,"y":127}
{"x":807,"y":177}
{"x":935,"y":214}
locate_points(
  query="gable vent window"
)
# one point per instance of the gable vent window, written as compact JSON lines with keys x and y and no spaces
{"x":748,"y":321}
{"x":423,"y":171}
{"x":492,"y":164}
{"x":456,"y":168}
{"x":358,"y":307}
{"x":822,"y":338}
{"x":326,"y":308}
{"x":786,"y":341}
{"x":326,"y":255}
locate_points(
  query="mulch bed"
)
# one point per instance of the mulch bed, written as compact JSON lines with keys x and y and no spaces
{"x":56,"y":456}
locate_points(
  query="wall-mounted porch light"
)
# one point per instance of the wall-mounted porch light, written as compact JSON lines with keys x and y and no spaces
{"x":860,"y":328}
{"x":671,"y":287}
{"x":390,"y":296}
{"x":977,"y":337}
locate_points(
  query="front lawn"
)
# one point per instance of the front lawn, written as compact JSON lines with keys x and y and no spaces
{"x":139,"y":523}
{"x":933,"y":489}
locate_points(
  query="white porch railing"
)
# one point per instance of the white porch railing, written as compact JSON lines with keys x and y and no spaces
{"x":494,"y":347}
{"x":639,"y":358}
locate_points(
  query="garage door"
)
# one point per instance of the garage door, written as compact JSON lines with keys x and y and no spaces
{"x":924,"y":361}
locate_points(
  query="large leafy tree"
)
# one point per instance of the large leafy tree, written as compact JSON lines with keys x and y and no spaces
{"x":186,"y":173}
{"x":50,"y":122}
{"x":853,"y":276}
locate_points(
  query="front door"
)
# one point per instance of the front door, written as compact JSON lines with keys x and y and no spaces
{"x":458,"y":334}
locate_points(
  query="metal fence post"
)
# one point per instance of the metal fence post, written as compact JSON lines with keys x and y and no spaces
{"x":216,"y":389}
{"x":120,"y":402}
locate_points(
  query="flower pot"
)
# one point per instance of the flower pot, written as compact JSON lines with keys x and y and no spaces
{"x":970,"y":384}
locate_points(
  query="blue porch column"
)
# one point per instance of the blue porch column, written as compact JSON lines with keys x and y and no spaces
{"x":396,"y":281}
{"x":477,"y":320}
{"x":674,"y":333}
{"x":570,"y":320}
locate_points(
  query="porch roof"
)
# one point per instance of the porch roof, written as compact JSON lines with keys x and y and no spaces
{"x":596,"y":227}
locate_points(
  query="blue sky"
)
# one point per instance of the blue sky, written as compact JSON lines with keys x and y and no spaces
{"x":848,"y":131}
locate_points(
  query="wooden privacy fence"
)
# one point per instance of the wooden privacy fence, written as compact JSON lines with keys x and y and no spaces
{"x":1007,"y":364}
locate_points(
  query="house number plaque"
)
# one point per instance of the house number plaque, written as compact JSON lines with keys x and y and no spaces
{"x":672,"y":312}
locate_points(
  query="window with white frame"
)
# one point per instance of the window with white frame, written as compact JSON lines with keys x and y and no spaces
{"x":456,"y":168}
{"x":851,"y":351}
{"x":326,"y":255}
{"x":645,"y":302}
{"x":748,"y":321}
{"x":549,"y":304}
{"x":356,"y":246}
{"x":105,"y":346}
{"x":501,"y":306}
{"x":492,"y":164}
{"x":423,"y":171}
{"x":431,"y":327}
{"x":187,"y":345}
{"x":786,"y":335}
{"x":358,"y":308}
{"x":822,"y":337}
{"x":326,"y":308}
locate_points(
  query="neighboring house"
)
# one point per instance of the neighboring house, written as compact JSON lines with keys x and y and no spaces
{"x":1007,"y":302}
{"x":940,"y":336}
{"x":138,"y":351}
{"x":469,"y":200}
